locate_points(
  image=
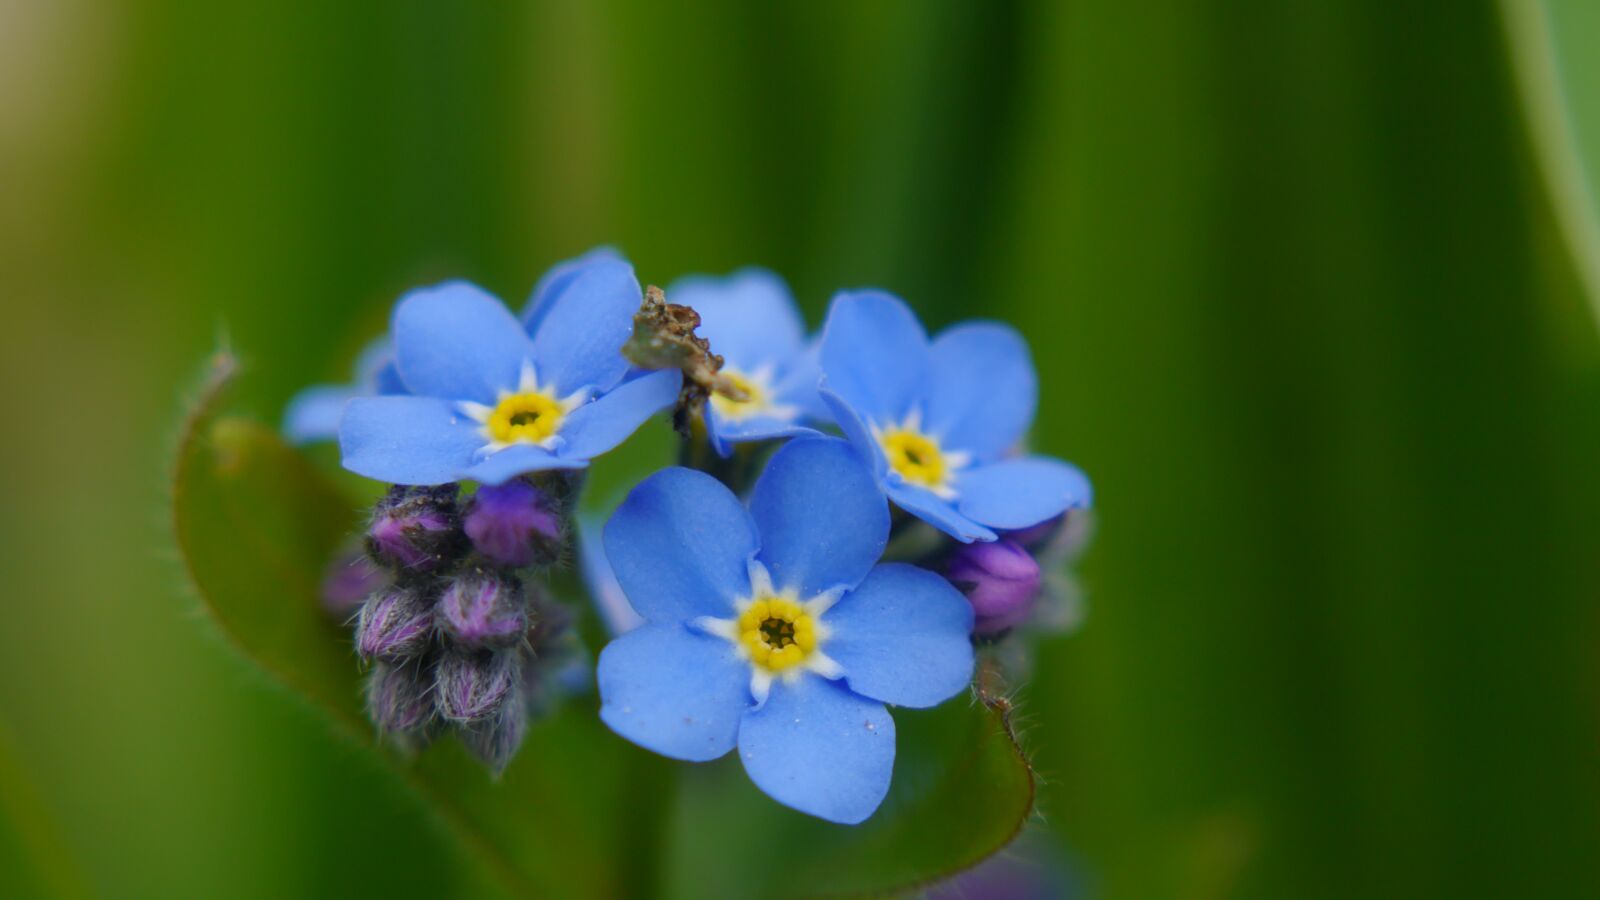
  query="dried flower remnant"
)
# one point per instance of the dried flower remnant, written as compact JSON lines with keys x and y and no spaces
{"x":664,"y":338}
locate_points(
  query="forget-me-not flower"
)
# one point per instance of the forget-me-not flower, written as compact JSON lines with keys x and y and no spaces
{"x":939,"y":419}
{"x":751,"y":320}
{"x":313,"y":414}
{"x":776,"y":630}
{"x":488,"y":401}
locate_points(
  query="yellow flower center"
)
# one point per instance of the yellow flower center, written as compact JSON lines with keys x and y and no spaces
{"x":755,"y":397}
{"x":778,"y":633}
{"x":915,"y":456}
{"x":528,"y":417}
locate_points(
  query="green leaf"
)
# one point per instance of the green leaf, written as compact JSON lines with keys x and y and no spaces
{"x":579,"y":812}
{"x":962,"y":790}
{"x":256,"y":524}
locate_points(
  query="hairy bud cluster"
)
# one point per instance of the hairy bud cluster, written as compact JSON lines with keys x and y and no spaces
{"x":450,"y":631}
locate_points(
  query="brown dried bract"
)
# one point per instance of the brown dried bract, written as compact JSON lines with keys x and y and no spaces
{"x":664,"y":338}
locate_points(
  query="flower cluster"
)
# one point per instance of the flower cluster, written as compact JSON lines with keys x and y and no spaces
{"x":896,"y":531}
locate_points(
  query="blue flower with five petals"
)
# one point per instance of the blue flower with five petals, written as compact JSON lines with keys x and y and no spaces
{"x":776,"y":630}
{"x":488,"y":401}
{"x":750,"y":319}
{"x":940,"y":420}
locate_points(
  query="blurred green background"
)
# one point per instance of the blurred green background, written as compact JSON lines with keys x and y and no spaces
{"x":1311,"y":287}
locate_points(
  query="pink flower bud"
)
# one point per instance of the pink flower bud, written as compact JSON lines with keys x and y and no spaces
{"x":395,"y":623}
{"x":484,"y":608}
{"x":416,"y":529}
{"x":472,"y":686}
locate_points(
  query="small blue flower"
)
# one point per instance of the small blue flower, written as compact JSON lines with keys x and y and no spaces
{"x":941,"y":419}
{"x":313,"y":414}
{"x":775,"y":629}
{"x":751,"y":320}
{"x":488,"y":401}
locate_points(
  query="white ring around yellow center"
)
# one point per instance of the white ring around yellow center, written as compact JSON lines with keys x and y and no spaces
{"x":917,"y":458}
{"x":781,"y":636}
{"x":528,"y":415}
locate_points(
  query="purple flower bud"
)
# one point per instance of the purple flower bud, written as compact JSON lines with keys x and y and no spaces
{"x":1000,"y":579}
{"x":350,"y":579}
{"x":416,"y":529}
{"x":474,"y":685}
{"x":495,"y":740}
{"x":514,"y":524}
{"x":395,"y":623}
{"x":484,"y":608}
{"x":400,"y":697}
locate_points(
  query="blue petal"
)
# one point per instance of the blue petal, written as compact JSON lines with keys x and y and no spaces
{"x":386,"y":380}
{"x":374,"y":358}
{"x":855,"y":431}
{"x":875,"y":354}
{"x":601,"y":582}
{"x":941,"y":514}
{"x":517,"y":459}
{"x":674,"y":691}
{"x":1017,"y":493}
{"x":723,"y":433}
{"x":313,"y":414}
{"x":605,"y":422}
{"x":457,"y":342}
{"x":579,"y":341}
{"x":903,"y":637}
{"x":983,"y":390}
{"x":817,"y":747}
{"x":822,"y":518}
{"x":749,"y":317}
{"x":557,"y":280}
{"x":797,"y":386}
{"x":407,"y":440}
{"x":680,"y":545}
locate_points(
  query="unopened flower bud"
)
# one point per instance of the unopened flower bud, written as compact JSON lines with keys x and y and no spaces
{"x":495,"y":740}
{"x":395,"y":623}
{"x":416,"y":529}
{"x":400,"y":697}
{"x":514,"y":524}
{"x":1000,"y":580}
{"x":350,"y":579}
{"x":484,"y":608}
{"x":474,"y":685}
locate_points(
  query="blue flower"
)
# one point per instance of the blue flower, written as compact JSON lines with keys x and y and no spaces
{"x":775,"y":629}
{"x":752,"y":322}
{"x":313,"y":414}
{"x":488,"y":401}
{"x":940,"y":420}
